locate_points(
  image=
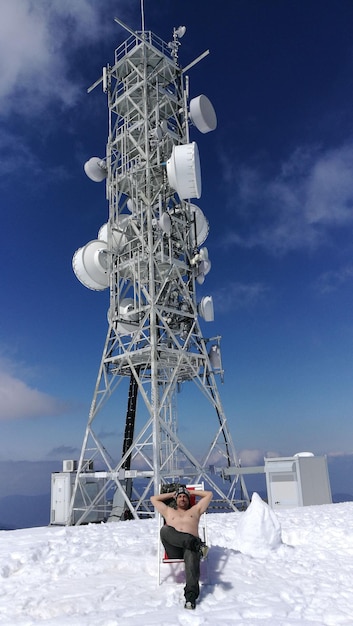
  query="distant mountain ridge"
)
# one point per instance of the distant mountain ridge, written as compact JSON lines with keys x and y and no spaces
{"x":33,"y":478}
{"x":31,"y":511}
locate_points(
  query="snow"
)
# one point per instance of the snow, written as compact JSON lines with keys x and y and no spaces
{"x":258,"y":529}
{"x":292,"y":566}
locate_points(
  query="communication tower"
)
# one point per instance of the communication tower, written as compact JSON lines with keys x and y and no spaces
{"x":150,"y":254}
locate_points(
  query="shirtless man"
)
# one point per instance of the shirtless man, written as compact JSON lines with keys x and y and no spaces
{"x":180,"y":534}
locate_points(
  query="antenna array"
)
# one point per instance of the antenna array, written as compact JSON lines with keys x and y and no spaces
{"x":150,"y":255}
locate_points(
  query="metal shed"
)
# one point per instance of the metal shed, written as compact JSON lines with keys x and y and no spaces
{"x":300,"y":480}
{"x":62,"y":485}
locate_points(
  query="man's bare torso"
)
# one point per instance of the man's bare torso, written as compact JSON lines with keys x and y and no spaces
{"x":184,"y":518}
{"x":184,"y":521}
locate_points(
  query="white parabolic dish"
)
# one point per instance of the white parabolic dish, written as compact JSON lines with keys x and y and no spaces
{"x":126,"y":310}
{"x":90,"y":265}
{"x":206,"y":309}
{"x":127,"y":317}
{"x":184,"y":171}
{"x":94,"y":170}
{"x":202,"y":114}
{"x":119,"y":238}
{"x":202,"y":226}
{"x":126,"y":325}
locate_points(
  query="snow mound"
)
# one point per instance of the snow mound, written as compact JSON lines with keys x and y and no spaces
{"x":259,"y":529}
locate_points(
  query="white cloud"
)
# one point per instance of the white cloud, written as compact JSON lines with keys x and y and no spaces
{"x":332,"y":280}
{"x":37,"y":42}
{"x":63,"y":452}
{"x":19,"y":401}
{"x":238,"y":295}
{"x":39,"y":74}
{"x":329,"y":188}
{"x":296,"y":208}
{"x":16,"y":156}
{"x":336,"y":455}
{"x":249,"y":457}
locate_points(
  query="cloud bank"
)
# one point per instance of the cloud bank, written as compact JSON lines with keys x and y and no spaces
{"x":236,"y":295}
{"x":332,"y":280}
{"x":20,"y":401}
{"x":37,"y":41}
{"x":296,"y":209}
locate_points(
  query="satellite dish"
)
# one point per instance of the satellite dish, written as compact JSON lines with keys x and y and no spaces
{"x":103,"y":233}
{"x":184,"y":171}
{"x":125,"y":325}
{"x":126,"y":310}
{"x":205,"y":267}
{"x":165,"y":223}
{"x":203,"y":254}
{"x":215,"y":357}
{"x":127,"y":317}
{"x":200,"y":278}
{"x":201,"y":224}
{"x":90,"y":264}
{"x":95,"y":169}
{"x":130,"y":205}
{"x":119,"y":238}
{"x":180,"y":31}
{"x":202,"y":114}
{"x":125,"y":328}
{"x":205,"y":308}
{"x":304,"y":454}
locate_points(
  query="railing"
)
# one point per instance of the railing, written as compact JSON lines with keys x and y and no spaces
{"x":145,"y":36}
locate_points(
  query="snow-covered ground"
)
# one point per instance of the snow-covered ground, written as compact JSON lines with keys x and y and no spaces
{"x":295,"y":567}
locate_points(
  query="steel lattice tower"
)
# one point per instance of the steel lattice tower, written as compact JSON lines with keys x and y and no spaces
{"x":149,"y":255}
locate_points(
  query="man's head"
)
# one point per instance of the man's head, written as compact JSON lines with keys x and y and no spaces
{"x":182,"y":498}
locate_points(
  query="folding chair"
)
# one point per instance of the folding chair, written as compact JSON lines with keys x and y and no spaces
{"x":174,"y":564}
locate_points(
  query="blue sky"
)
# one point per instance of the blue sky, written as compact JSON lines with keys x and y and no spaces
{"x":277,"y":191}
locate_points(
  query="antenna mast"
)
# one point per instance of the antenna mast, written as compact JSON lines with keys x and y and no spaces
{"x":142,"y":16}
{"x":150,"y":255}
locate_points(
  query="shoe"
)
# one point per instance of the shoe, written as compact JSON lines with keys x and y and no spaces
{"x":190,"y":605}
{"x":203,"y":549}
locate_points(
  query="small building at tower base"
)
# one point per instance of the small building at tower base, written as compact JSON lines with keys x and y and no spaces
{"x":300,"y":480}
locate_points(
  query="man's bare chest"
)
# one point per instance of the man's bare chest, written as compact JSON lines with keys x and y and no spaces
{"x":182,"y":516}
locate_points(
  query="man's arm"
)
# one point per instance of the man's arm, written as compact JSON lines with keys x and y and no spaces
{"x":159,"y":504}
{"x":206,"y":497}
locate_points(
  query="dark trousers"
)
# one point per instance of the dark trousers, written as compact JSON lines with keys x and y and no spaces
{"x":184,"y":546}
